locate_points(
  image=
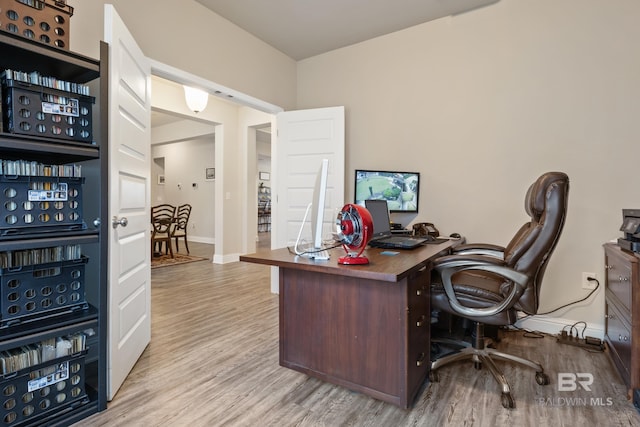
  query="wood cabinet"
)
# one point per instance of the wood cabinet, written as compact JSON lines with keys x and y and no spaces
{"x":47,"y":307}
{"x":622,"y":325}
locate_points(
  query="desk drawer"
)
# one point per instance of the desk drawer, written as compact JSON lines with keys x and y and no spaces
{"x":418,"y":288}
{"x":419,"y":318}
{"x":619,"y":277}
{"x":619,"y":339}
{"x":619,"y":283}
{"x":418,"y":329}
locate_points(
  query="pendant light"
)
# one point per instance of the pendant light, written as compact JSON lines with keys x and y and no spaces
{"x":196,"y":98}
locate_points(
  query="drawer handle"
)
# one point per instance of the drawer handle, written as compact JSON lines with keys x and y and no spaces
{"x":419,"y":292}
{"x":420,"y":321}
{"x":421,"y":359}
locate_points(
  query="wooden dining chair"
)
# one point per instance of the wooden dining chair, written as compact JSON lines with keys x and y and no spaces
{"x":179,"y":228}
{"x":162,"y":217}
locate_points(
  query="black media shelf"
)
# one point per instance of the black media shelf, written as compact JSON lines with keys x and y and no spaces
{"x":80,"y":292}
{"x":25,"y":55}
{"x":41,"y":148}
{"x":48,"y":239}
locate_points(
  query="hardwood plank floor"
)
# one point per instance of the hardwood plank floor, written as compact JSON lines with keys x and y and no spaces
{"x":213,"y":361}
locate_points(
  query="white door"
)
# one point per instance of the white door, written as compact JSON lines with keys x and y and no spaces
{"x":129,"y":325}
{"x":304,"y":138}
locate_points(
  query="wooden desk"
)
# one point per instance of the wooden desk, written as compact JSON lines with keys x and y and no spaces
{"x":366,"y":327}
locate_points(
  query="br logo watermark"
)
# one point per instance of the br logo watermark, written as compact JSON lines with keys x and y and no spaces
{"x":568,"y":381}
{"x":575,"y":382}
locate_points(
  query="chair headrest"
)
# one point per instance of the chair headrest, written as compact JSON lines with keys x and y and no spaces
{"x":535,"y":200}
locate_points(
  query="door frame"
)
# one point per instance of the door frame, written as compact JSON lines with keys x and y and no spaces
{"x":248,"y":165}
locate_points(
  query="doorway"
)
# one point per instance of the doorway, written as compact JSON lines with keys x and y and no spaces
{"x":182,"y":150}
{"x":257,"y":119}
{"x":263,"y":174}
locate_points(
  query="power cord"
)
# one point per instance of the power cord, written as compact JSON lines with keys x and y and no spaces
{"x":573,"y":330}
{"x":591,"y":344}
{"x":528,"y":333}
{"x":292,"y":251}
{"x":593,"y":291}
{"x":572,"y":327}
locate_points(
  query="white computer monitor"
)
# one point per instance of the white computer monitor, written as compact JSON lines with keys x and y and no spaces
{"x":317,"y":208}
{"x":318,"y":203}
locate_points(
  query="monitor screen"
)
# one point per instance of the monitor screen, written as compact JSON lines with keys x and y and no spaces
{"x":399,"y":189}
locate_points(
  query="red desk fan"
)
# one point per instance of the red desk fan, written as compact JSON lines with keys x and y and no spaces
{"x":355,"y":228}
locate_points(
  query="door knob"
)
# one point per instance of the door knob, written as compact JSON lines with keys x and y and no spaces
{"x":115,"y":222}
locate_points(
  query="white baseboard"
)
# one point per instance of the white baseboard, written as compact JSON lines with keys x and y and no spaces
{"x":199,"y":239}
{"x":553,"y":326}
{"x":217,"y":259}
{"x":225,"y":259}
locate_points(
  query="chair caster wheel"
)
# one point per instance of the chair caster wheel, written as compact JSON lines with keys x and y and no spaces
{"x":507,"y":401}
{"x":542,"y":378}
{"x":433,"y":376}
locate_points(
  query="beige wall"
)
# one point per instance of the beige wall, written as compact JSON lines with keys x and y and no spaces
{"x":484,"y":102}
{"x":480,"y":104}
{"x":188,"y":36}
{"x":184,"y":165}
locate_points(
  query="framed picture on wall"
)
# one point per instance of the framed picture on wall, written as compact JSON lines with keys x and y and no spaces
{"x":265,"y":176}
{"x":210,"y":174}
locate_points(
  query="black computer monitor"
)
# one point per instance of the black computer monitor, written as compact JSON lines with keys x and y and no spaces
{"x":401,"y":190}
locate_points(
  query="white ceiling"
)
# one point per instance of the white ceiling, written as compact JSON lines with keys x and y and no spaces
{"x":305,"y":28}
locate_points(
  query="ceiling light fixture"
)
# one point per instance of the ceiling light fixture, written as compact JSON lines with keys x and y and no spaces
{"x":196,"y":98}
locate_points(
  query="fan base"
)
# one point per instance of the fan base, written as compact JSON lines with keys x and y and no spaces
{"x":353,"y":260}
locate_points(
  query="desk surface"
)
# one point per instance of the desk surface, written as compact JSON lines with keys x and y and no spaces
{"x":390,"y":268}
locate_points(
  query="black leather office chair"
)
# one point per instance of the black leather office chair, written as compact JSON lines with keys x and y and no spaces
{"x":489,"y":284}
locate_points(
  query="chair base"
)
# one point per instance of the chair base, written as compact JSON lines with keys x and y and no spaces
{"x":482,"y":355}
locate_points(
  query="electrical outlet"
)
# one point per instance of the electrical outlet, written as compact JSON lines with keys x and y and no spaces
{"x":586,"y":283}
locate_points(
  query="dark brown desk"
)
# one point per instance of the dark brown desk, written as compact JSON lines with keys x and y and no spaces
{"x":362,"y":327}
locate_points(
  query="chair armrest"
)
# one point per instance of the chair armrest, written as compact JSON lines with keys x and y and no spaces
{"x":479,"y":249}
{"x":447,"y":261}
{"x":449,"y":265}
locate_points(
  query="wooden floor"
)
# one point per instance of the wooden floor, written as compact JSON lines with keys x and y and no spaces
{"x":213,"y":361}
